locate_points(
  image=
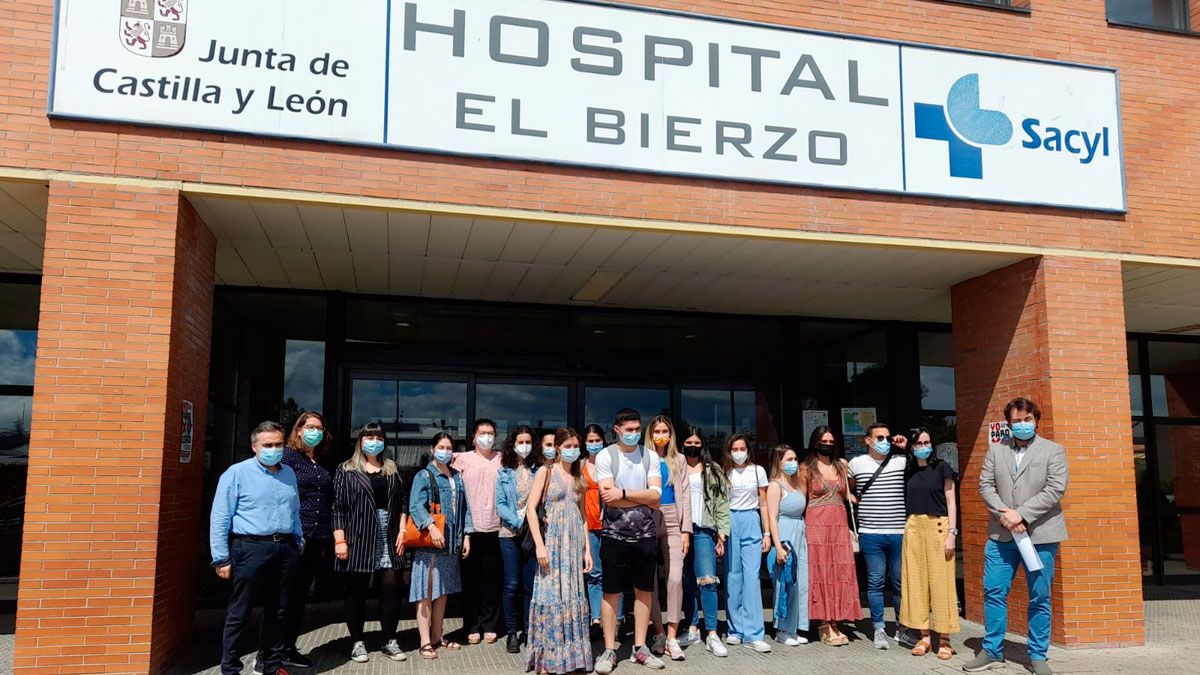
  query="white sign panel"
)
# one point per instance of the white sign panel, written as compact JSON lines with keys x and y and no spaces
{"x":590,"y":84}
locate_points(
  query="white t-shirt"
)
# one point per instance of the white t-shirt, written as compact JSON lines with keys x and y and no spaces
{"x":696,"y":490}
{"x":631,"y":475}
{"x":744,"y":482}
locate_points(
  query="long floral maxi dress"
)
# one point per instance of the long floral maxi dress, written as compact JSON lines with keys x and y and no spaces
{"x":832,"y":577}
{"x":559,"y":615}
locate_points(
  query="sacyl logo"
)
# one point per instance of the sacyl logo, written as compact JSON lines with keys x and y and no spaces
{"x":975,"y":126}
{"x":966,"y":127}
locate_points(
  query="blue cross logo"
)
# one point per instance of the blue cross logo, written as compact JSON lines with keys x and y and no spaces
{"x":964,"y":125}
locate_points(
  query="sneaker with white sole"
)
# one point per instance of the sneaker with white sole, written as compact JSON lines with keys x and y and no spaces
{"x":759,"y":646}
{"x":732,"y":639}
{"x":675,"y":651}
{"x":645,"y":657}
{"x":392,"y":651}
{"x":692,"y":637}
{"x":713,"y":644}
{"x":791,"y":640}
{"x":606,"y":662}
{"x":881,"y":639}
{"x":358,"y":653}
{"x":256,"y":668}
{"x":658,"y":646}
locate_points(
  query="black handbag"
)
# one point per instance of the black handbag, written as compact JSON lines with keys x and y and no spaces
{"x":528,"y":545}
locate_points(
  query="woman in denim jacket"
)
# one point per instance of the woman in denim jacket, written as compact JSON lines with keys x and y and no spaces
{"x":519,"y":462}
{"x":435,"y":571}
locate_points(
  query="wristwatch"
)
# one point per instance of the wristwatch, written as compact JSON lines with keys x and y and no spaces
{"x":954,"y":531}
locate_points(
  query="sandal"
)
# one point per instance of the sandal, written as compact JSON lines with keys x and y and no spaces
{"x":427,"y":652}
{"x":473,"y":639}
{"x":827,"y":638}
{"x":448,"y":644}
{"x":841,"y":638}
{"x":490,"y":638}
{"x":945,"y":652}
{"x":922,"y":647}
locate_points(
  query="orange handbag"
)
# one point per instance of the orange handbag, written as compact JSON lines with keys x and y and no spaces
{"x":417,"y":538}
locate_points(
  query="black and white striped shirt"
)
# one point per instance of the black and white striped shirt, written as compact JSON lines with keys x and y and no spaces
{"x":881,"y":508}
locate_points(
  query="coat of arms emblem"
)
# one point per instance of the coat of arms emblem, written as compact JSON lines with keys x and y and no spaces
{"x":153,"y":28}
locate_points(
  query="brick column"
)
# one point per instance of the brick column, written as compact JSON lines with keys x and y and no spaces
{"x":112,"y":517}
{"x":1053,"y":329}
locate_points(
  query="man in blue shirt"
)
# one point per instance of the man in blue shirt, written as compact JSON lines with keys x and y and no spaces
{"x":256,"y":539}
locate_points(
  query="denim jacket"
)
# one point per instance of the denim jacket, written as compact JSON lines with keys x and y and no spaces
{"x":458,"y":514}
{"x":507,"y":498}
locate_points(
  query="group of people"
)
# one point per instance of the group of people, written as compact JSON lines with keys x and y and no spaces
{"x":548,"y":535}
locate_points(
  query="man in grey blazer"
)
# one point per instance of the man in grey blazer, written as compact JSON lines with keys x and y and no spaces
{"x":1023,"y":482}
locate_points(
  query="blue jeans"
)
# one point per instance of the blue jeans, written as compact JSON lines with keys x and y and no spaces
{"x":595,"y":581}
{"x":1000,"y":561}
{"x":701,"y":563}
{"x":519,"y":570}
{"x":883,"y":553}
{"x":261,"y":570}
{"x":743,"y":561}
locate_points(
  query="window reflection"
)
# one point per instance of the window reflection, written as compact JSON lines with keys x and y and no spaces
{"x":303,"y":379}
{"x":543,"y":407}
{"x":17,"y":351}
{"x":411,"y":412}
{"x":602,"y":403}
{"x":14,"y":464}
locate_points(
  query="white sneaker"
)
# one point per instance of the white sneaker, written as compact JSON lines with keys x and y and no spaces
{"x":692,"y":637}
{"x":358,"y":653}
{"x":674,"y":650}
{"x":791,"y":640}
{"x":713,"y":644}
{"x":759,"y":646}
{"x":732,"y":639}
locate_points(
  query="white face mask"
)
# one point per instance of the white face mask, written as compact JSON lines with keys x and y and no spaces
{"x":523,"y":449}
{"x":739,"y":457}
{"x":485,"y":441}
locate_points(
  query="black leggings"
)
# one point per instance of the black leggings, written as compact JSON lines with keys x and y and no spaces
{"x":357,"y":585}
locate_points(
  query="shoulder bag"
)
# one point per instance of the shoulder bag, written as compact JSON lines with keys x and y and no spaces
{"x":417,"y":538}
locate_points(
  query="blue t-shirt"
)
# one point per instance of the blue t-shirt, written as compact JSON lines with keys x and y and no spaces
{"x":668,"y":493}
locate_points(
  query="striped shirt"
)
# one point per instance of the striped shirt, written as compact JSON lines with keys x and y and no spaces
{"x":881,"y":509}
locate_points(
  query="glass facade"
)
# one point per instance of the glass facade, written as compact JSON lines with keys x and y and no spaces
{"x":18,"y":348}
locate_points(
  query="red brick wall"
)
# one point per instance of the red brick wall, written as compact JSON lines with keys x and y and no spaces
{"x":111,"y":517}
{"x":1052,"y":329}
{"x":1160,"y":87}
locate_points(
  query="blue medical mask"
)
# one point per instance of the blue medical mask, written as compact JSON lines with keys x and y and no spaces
{"x":373,"y":446}
{"x":630,"y":439}
{"x":569,"y":455}
{"x":443,"y":456}
{"x":922,"y":452}
{"x":883,"y":447}
{"x":1024,"y":430}
{"x":270,"y":456}
{"x":549,"y":453}
{"x":594,"y":448}
{"x":790,"y":468}
{"x":313,"y":437}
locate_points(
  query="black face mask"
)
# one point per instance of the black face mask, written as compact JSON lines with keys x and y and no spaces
{"x":692,"y":451}
{"x":824,"y":450}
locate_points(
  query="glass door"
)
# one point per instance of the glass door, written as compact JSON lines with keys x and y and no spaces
{"x":602,"y":401}
{"x":535,"y":403}
{"x":411,"y":410}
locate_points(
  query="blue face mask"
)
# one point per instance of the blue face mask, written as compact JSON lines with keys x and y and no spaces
{"x":313,"y":437}
{"x":549,"y":453}
{"x":922,"y":452}
{"x":630,"y":439}
{"x":594,"y":448}
{"x":1024,"y":430}
{"x":790,"y":468}
{"x":373,"y":446}
{"x":443,"y":456}
{"x":270,"y":456}
{"x":569,"y":455}
{"x":883,"y":447}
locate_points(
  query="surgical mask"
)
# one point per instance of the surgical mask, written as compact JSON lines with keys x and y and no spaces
{"x":661,"y":441}
{"x":270,"y":456}
{"x":485,"y":441}
{"x":1024,"y":430}
{"x":549,"y":453}
{"x":739,"y":456}
{"x":569,"y":455}
{"x":824,"y":450}
{"x":692,"y":450}
{"x":630,"y":439}
{"x":790,"y":468}
{"x":313,"y":437}
{"x":922,"y":452}
{"x":523,"y":449}
{"x":443,"y":456}
{"x":594,"y":448}
{"x":883,"y":447}
{"x":372,"y":446}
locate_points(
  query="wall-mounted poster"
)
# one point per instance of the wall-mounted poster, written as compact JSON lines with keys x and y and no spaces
{"x":856,"y":420}
{"x":812,"y":420}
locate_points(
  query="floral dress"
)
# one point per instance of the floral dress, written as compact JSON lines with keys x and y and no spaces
{"x":559,"y":616}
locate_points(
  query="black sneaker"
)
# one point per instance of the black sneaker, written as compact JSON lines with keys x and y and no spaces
{"x":294,"y":659}
{"x":513,"y":644}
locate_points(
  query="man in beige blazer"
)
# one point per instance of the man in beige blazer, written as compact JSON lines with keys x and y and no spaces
{"x":1023,"y":482}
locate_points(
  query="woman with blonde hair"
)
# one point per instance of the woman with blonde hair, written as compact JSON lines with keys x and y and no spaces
{"x":369,"y":511}
{"x":674,"y":519}
{"x":788,"y":564}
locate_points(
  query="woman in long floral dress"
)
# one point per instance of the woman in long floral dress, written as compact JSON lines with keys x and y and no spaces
{"x":559,"y":615}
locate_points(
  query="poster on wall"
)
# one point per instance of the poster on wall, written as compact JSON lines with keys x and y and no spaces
{"x":999,"y":432}
{"x":856,"y":420}
{"x":186,"y":432}
{"x":812,"y":420}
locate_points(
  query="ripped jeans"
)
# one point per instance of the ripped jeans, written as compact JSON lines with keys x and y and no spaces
{"x":700,"y":581}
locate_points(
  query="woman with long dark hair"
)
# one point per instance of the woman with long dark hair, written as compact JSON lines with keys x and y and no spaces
{"x":832,"y":576}
{"x":519,"y":461}
{"x":594,"y":441}
{"x":749,"y":539}
{"x":708,"y":492}
{"x":369,"y":510}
